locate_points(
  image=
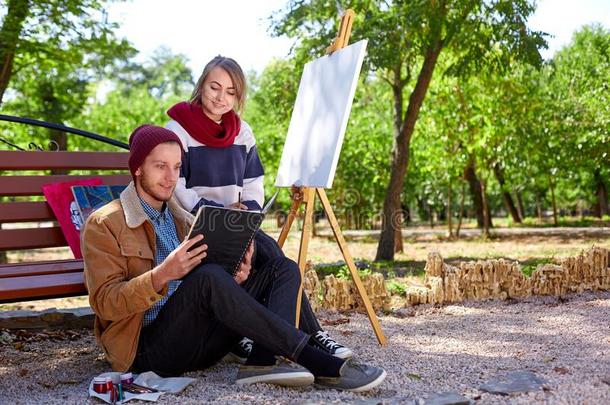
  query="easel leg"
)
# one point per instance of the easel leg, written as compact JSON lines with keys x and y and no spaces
{"x":308,"y":198}
{"x":288,"y":224}
{"x":352,"y":267}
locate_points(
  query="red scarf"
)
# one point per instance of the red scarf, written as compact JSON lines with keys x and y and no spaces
{"x":201,"y":127}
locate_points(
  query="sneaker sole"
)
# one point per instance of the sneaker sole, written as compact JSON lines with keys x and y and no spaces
{"x":346,"y":355}
{"x":296,"y":379}
{"x":370,"y":385}
{"x":362,"y":388}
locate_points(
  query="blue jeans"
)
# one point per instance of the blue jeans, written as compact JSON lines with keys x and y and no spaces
{"x":210,"y":312}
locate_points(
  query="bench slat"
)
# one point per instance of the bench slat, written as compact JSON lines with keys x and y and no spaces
{"x":32,"y":185}
{"x":26,"y":211}
{"x":39,"y":287}
{"x":40,"y":268}
{"x":31,"y":238}
{"x":20,"y":160}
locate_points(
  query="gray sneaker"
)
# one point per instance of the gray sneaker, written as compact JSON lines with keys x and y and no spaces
{"x":284,"y":372}
{"x":354,"y":377}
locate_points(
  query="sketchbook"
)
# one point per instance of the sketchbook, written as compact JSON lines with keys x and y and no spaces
{"x":227,"y":232}
{"x":90,"y":198}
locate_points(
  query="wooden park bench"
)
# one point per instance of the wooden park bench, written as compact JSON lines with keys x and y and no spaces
{"x":22,"y":175}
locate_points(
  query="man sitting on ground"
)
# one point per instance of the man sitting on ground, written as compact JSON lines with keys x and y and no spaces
{"x":158,"y":308}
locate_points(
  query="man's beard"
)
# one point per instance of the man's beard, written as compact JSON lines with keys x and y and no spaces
{"x":149,"y":189}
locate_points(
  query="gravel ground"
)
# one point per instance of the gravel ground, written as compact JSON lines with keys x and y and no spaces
{"x":566,"y":341}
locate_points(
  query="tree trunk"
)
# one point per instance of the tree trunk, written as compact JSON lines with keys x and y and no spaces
{"x":17,"y":11}
{"x":400,"y":153}
{"x":407,"y":214}
{"x":431,"y":216}
{"x":602,"y":193}
{"x":579,"y":210}
{"x":461,"y":214}
{"x":61,"y":139}
{"x":508,"y":199}
{"x":520,"y":204}
{"x":475,"y":191}
{"x":398,"y":246}
{"x":441,"y":214}
{"x":486,"y":219}
{"x":539,"y":206}
{"x":554,"y":202}
{"x":477,"y":200}
{"x":422,"y":213}
{"x":449,"y":211}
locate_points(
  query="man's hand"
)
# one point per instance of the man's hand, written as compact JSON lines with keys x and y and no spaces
{"x":245,"y":266}
{"x":179,"y":262}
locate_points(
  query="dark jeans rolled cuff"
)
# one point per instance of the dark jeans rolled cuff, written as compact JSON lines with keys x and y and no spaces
{"x":297,"y":351}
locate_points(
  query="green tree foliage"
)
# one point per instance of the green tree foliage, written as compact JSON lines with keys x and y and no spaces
{"x":538,"y":137}
{"x":579,"y":109}
{"x":140,"y":94}
{"x":113,"y":107}
{"x":56,"y":30}
{"x":59,"y":48}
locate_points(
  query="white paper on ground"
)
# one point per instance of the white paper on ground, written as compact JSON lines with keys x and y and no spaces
{"x":173,"y":385}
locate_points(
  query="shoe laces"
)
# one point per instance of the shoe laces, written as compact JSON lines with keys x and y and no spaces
{"x":323,"y":338}
{"x":246,"y":345}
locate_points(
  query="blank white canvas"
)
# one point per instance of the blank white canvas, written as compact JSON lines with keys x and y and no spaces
{"x":319,"y":118}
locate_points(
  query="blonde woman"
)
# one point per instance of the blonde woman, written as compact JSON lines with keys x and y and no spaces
{"x":221,"y":167}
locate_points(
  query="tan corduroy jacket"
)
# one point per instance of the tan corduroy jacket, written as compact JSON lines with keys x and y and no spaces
{"x":118,"y":245}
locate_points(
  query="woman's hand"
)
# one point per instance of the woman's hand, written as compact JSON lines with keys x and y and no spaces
{"x":245,"y":266}
{"x":239,"y":206}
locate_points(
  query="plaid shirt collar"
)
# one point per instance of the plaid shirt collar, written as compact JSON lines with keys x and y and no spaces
{"x":153,"y":213}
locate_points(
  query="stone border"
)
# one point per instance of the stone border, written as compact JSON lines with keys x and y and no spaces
{"x":475,"y":280}
{"x":73,"y":318}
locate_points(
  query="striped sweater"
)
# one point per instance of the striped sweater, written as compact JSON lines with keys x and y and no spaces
{"x":216,"y":176}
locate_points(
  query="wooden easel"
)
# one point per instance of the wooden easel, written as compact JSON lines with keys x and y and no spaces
{"x":300,"y":195}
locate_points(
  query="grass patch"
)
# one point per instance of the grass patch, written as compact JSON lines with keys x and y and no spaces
{"x":529,"y":266}
{"x":340,"y":269}
{"x":574,"y":222}
{"x":389,"y":268}
{"x":399,"y":268}
{"x":395,"y":287}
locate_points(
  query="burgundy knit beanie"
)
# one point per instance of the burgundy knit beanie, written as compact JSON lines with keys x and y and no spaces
{"x":144,"y":139}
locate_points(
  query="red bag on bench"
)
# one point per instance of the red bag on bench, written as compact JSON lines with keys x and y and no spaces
{"x":60,"y":198}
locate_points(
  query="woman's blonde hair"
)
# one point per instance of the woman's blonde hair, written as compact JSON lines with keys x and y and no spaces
{"x":237,"y":77}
